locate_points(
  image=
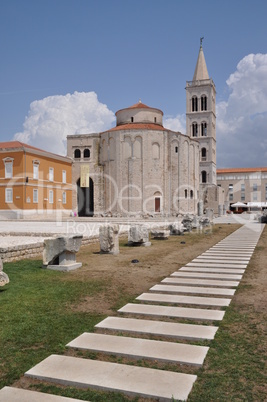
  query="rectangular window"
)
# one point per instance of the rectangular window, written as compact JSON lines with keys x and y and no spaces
{"x":266,"y":192}
{"x":35,"y":195}
{"x":231,"y":197}
{"x":36,"y":172}
{"x":51,"y":196}
{"x":9,"y":195}
{"x":255,"y":187}
{"x":255,"y":197}
{"x":243,"y":197}
{"x":64,"y":198}
{"x":51,"y":174}
{"x":8,"y":170}
{"x":243,"y":187}
{"x":64,"y":176}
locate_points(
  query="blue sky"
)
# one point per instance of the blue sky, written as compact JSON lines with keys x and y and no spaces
{"x":64,"y":62}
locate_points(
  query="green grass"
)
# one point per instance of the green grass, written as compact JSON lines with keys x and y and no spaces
{"x":36,"y":318}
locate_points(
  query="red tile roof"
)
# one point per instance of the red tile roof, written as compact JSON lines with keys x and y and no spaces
{"x":242,"y":170}
{"x":138,"y":126}
{"x":139,"y":105}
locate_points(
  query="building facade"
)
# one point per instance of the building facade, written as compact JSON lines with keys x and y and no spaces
{"x":136,"y":168}
{"x":33,"y":181}
{"x":245,"y":185}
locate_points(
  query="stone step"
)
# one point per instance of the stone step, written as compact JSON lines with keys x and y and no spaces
{"x":214,"y":260}
{"x":200,"y":282}
{"x":224,"y":276}
{"x":221,"y":258}
{"x":232,"y":253}
{"x":173,"y":312}
{"x":130,"y":380}
{"x":192,"y":290}
{"x":215,"y":270}
{"x":233,"y":248}
{"x":10,"y":394}
{"x":159,"y":328}
{"x":175,"y":299}
{"x":215,"y":265}
{"x":138,"y":348}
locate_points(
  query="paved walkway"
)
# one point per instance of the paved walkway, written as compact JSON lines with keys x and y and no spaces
{"x":210,"y":280}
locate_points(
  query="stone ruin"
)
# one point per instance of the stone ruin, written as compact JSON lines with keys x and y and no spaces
{"x":4,"y":279}
{"x":138,"y":235}
{"x":109,"y":239}
{"x":60,"y":253}
{"x":176,"y":229}
{"x":160,"y":234}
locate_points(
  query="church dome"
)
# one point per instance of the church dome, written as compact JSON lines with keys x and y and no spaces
{"x":139,"y":113}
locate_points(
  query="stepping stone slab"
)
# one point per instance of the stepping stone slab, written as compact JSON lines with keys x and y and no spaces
{"x":193,"y":290}
{"x":130,"y":380}
{"x":173,"y":312}
{"x":200,"y":282}
{"x":159,"y":328}
{"x":225,"y":276}
{"x":141,"y":348}
{"x":163,"y":298}
{"x":216,"y":265}
{"x":10,"y":394}
{"x":214,"y":270}
{"x":220,"y":258}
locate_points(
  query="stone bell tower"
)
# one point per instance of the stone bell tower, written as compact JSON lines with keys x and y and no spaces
{"x":201,"y":118}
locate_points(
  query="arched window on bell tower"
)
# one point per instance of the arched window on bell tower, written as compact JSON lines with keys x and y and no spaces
{"x":203,"y":154}
{"x":204,"y":129}
{"x":194,"y":129}
{"x":194,"y":104}
{"x":204,"y":102}
{"x":203,"y":176}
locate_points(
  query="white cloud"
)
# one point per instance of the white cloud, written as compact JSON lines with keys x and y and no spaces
{"x":51,"y":119}
{"x":242,"y":118}
{"x":177,"y":123}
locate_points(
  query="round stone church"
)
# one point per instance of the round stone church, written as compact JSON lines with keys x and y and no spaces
{"x":137,"y":168}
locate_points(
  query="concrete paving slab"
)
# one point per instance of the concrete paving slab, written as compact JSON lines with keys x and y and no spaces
{"x":215,"y":270}
{"x":220,"y":261}
{"x":200,"y":282}
{"x":229,"y":254}
{"x":159,"y":328}
{"x":175,"y":299}
{"x":215,"y":265}
{"x":220,"y":258}
{"x":192,"y":290}
{"x":173,"y":312}
{"x":141,"y":348}
{"x":10,"y":394}
{"x":203,"y":275}
{"x":130,"y":380}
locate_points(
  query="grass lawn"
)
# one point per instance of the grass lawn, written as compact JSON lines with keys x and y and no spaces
{"x":41,"y":311}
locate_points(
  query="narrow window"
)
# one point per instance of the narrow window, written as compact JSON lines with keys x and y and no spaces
{"x":155,"y":120}
{"x":203,"y":102}
{"x":77,"y":154}
{"x":51,"y":174}
{"x":203,"y":154}
{"x":203,"y":176}
{"x":255,"y":187}
{"x":64,"y":198}
{"x":36,"y":171}
{"x":204,"y":129}
{"x":195,"y":129}
{"x":266,"y":192}
{"x":185,"y":194}
{"x":191,"y":194}
{"x":176,"y":150}
{"x":132,"y":119}
{"x":35,"y":196}
{"x":9,"y":195}
{"x":157,"y":204}
{"x":194,"y":104}
{"x":86,"y":153}
{"x":64,"y":176}
{"x":8,"y":169}
{"x":51,"y":196}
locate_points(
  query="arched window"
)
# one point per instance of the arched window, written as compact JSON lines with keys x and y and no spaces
{"x":204,"y":102}
{"x":203,"y":176}
{"x":191,"y":194}
{"x":204,"y":129}
{"x":203,"y":154}
{"x":195,"y":129}
{"x":77,"y":154}
{"x":86,"y":153}
{"x":194,"y":104}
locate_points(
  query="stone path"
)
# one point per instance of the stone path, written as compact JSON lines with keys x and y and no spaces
{"x":210,"y":280}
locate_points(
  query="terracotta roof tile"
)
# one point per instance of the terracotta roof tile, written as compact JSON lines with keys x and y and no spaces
{"x":138,"y":126}
{"x":242,"y":170}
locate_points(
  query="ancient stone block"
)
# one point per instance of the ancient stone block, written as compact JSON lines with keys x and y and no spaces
{"x":176,"y":228}
{"x":160,"y":234}
{"x":109,"y":239}
{"x":60,"y":253}
{"x":138,"y":235}
{"x":4,"y":279}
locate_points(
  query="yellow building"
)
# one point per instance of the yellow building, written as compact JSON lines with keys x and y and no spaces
{"x":33,"y":181}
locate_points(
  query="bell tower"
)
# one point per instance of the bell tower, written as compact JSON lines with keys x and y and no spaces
{"x":201,"y":118}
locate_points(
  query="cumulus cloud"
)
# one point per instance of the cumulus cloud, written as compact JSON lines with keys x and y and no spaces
{"x":177,"y":123}
{"x":242,"y":118}
{"x":51,"y":119}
